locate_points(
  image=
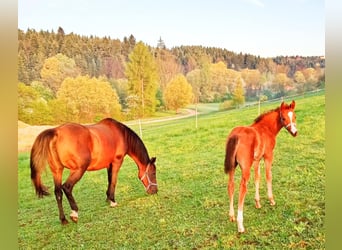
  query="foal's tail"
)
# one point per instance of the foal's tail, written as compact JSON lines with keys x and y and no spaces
{"x":230,"y":159}
{"x":39,"y":153}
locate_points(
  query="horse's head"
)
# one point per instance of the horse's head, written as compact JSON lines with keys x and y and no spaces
{"x":149,"y":178}
{"x":288,"y":117}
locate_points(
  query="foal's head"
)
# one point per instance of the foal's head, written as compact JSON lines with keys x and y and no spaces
{"x":149,"y":178}
{"x":288,"y":117}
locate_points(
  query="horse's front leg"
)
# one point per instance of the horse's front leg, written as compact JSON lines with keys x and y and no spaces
{"x":268,"y":167}
{"x":112,"y":172}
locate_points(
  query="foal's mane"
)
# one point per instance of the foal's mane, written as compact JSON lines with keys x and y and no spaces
{"x":260,"y":117}
{"x":134,"y":142}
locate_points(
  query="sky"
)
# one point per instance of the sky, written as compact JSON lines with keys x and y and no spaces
{"x":265,"y":28}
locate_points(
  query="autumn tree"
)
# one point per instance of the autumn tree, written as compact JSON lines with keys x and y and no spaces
{"x":167,"y":66}
{"x":311,"y":78}
{"x":56,"y":69}
{"x":281,"y":83}
{"x":142,"y":76}
{"x":299,"y":80}
{"x":32,"y":107}
{"x":238,"y":96}
{"x":219,"y":80}
{"x":178,"y":93}
{"x":252,"y":79}
{"x":85,"y":99}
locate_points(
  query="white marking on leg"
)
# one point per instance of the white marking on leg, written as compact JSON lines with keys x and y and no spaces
{"x":113,"y":204}
{"x":239,"y":221}
{"x":74,"y":214}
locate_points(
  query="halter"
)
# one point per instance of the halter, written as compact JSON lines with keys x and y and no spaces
{"x":150,"y":183}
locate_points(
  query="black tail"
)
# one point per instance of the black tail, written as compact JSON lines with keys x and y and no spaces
{"x":39,"y":154}
{"x":230,"y":159}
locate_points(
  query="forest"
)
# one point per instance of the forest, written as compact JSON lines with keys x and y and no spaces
{"x":69,"y":77}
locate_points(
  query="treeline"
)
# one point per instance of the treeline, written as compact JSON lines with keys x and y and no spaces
{"x":51,"y":64}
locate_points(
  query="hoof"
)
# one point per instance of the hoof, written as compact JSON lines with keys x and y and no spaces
{"x":74,"y":216}
{"x":74,"y":219}
{"x":64,"y":221}
{"x":232,"y":218}
{"x":257,"y":204}
{"x":113,"y":204}
{"x":272,"y":202}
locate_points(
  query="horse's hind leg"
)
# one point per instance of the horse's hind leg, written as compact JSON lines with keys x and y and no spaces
{"x":242,"y":195}
{"x":268,"y":167}
{"x":57,"y":178}
{"x":74,"y":177}
{"x":231,"y":194}
{"x":257,"y":183}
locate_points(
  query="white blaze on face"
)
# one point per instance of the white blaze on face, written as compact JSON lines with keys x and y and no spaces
{"x":292,"y":124}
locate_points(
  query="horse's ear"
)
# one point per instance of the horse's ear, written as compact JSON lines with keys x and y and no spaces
{"x":153,"y":160}
{"x":282,"y":105}
{"x":293,"y":104}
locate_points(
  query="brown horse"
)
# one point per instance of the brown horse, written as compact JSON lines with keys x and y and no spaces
{"x":86,"y":148}
{"x":247,"y":145}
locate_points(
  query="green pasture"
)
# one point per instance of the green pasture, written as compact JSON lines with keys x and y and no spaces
{"x":190,"y":210}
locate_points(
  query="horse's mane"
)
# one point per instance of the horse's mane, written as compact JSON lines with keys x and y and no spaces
{"x":134,"y":142}
{"x":260,"y":117}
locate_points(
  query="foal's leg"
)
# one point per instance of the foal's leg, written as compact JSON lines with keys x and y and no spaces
{"x":257,"y":183}
{"x":231,"y":194}
{"x":74,"y":177}
{"x":242,"y":195}
{"x":112,"y":179}
{"x":268,"y":166}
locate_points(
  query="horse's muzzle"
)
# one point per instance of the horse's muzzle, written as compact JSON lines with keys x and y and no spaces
{"x":152,"y":190}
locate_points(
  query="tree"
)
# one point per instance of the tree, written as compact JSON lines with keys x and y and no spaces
{"x":167,"y":66}
{"x":56,"y":69}
{"x":32,"y":107}
{"x":299,"y":79}
{"x":219,"y":80}
{"x":238,"y":95}
{"x":252,"y":79}
{"x":311,"y":78}
{"x":85,"y":99}
{"x":178,"y":93}
{"x":141,"y":73}
{"x":194,"y":78}
{"x":280,"y":84}
{"x":45,"y":92}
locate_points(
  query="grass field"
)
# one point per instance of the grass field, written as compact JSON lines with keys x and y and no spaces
{"x":190,"y":210}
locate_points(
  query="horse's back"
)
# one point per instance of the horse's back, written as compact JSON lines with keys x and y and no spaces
{"x":245,"y":134}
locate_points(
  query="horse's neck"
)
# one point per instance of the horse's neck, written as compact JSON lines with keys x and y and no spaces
{"x":136,"y":149}
{"x":271,"y":122}
{"x":140,"y":157}
{"x":140,"y":162}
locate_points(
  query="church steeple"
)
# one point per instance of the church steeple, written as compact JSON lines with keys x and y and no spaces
{"x":161,"y":44}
